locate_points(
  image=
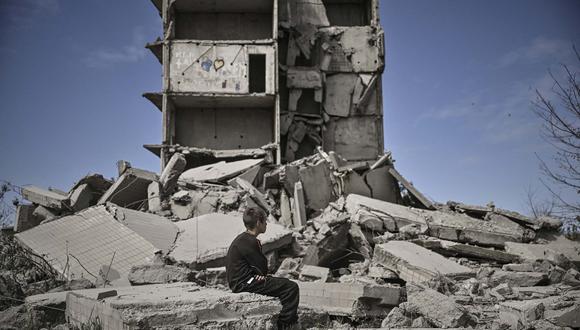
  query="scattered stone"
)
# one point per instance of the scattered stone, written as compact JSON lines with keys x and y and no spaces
{"x":519,"y":314}
{"x":438,"y":309}
{"x":396,"y":319}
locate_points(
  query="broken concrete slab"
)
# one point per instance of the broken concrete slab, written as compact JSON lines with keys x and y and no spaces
{"x":171,"y":172}
{"x":525,"y":267}
{"x":303,"y":77}
{"x":416,"y":264}
{"x":393,"y":215}
{"x":24,"y":218}
{"x":555,"y":240}
{"x":314,"y":273}
{"x":299,"y":206}
{"x":45,"y":214}
{"x":157,"y":230}
{"x":154,"y":197}
{"x":348,"y":298}
{"x":81,"y":197}
{"x":359,"y":241}
{"x":438,"y":309}
{"x":565,"y":317}
{"x":519,"y":314}
{"x":187,"y":204}
{"x":130,"y":189}
{"x":46,"y":198}
{"x":221,"y":171}
{"x":317,"y":185}
{"x":382,"y":185}
{"x":355,"y":184}
{"x":259,"y":198}
{"x":200,"y":246}
{"x":87,"y":244}
{"x":533,"y":252}
{"x":338,"y":94}
{"x":159,"y":274}
{"x":362,"y":43}
{"x":465,"y":229}
{"x":517,"y":278}
{"x":177,"y":305}
{"x":330,"y":249}
{"x":98,"y":185}
{"x":458,"y":249}
{"x":411,"y":189}
{"x":368,"y":221}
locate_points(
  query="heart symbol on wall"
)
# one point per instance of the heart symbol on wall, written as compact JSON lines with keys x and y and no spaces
{"x":218,"y":63}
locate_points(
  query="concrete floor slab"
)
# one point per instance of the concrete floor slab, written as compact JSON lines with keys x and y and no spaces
{"x":91,"y":236}
{"x":159,"y":231}
{"x":172,"y":306}
{"x":416,"y":264}
{"x":204,"y":241}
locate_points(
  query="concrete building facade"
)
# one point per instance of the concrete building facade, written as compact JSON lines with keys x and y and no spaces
{"x":269,"y":78}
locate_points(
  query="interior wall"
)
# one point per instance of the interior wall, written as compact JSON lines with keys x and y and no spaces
{"x":223,"y":26}
{"x":224,"y":128}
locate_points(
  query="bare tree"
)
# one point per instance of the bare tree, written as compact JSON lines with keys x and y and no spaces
{"x":561,"y":128}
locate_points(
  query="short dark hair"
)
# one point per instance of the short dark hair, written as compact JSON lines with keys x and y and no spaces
{"x":252,"y":215}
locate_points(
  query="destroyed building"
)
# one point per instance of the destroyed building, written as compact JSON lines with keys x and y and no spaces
{"x":285,"y":115}
{"x":298,"y":75}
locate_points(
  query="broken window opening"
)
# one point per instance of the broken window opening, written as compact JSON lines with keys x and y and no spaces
{"x":257,"y":72}
{"x":349,"y":13}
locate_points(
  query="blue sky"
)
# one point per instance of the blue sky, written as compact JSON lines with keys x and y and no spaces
{"x":459,"y":78}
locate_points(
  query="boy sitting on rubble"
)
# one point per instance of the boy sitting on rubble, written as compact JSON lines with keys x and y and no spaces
{"x":247,"y":268}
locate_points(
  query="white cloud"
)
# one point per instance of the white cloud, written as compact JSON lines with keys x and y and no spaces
{"x":132,"y":52}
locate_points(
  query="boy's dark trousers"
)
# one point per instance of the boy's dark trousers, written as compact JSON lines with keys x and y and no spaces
{"x":282,"y":288}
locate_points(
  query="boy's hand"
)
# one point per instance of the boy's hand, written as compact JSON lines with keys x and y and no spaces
{"x":260,"y":278}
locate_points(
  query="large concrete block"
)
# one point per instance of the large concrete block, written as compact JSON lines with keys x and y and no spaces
{"x":46,"y":198}
{"x":416,"y":264}
{"x":438,"y":308}
{"x":204,"y":241}
{"x":519,"y":314}
{"x":317,"y":185}
{"x":81,"y":197}
{"x":349,"y":299}
{"x":172,"y":306}
{"x":130,"y":189}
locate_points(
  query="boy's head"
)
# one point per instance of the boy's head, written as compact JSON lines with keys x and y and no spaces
{"x":255,"y":218}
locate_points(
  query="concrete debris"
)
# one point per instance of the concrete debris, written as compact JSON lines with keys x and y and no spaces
{"x":171,"y":173}
{"x":46,"y":198}
{"x":438,"y":309}
{"x":199,"y":245}
{"x":178,"y":305}
{"x":416,"y":264}
{"x":517,"y":278}
{"x":158,"y":274}
{"x":287,"y":118}
{"x":311,"y":273}
{"x":130,"y":189}
{"x":25,"y":218}
{"x":349,"y":298}
{"x":219,"y":172}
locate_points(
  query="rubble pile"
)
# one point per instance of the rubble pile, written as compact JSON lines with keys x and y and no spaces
{"x":365,"y":246}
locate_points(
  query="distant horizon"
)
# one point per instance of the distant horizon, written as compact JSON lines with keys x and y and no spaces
{"x":457,"y":88}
